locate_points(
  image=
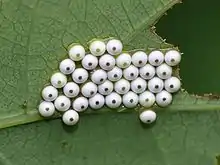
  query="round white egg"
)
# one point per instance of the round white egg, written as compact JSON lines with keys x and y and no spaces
{"x":130,"y":99}
{"x":163,"y":98}
{"x":90,"y":62}
{"x":164,"y":71}
{"x":147,"y":117}
{"x":172,"y":57}
{"x":139,"y":59}
{"x":115,"y":74}
{"x":89,"y":89}
{"x":113,"y":100}
{"x":80,"y":75}
{"x":172,"y":84}
{"x":107,"y":62}
{"x":62,"y":103}
{"x":77,"y":52}
{"x":147,"y":99}
{"x":147,"y":72}
{"x":131,"y":72}
{"x":49,"y":93}
{"x":67,"y":66}
{"x":80,"y":104}
{"x":97,"y":48}
{"x":155,"y":85}
{"x":71,"y":89}
{"x":138,"y":85}
{"x":58,"y":80}
{"x":97,"y":101}
{"x":46,"y":109}
{"x":70,"y":117}
{"x":114,"y":47}
{"x":106,"y":88}
{"x":156,"y":58}
{"x":123,"y":60}
{"x":99,"y":76}
{"x":122,"y":86}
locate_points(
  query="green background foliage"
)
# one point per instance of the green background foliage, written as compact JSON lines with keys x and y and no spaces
{"x":33,"y":37}
{"x":193,"y":27}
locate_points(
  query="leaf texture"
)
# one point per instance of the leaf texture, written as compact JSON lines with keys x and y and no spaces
{"x":34,"y":36}
{"x":105,"y":139}
{"x":34,"y":39}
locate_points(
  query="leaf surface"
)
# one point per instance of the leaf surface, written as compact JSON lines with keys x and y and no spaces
{"x":105,"y":139}
{"x":34,"y":35}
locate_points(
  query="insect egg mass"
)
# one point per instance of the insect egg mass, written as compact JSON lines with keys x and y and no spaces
{"x":109,"y":76}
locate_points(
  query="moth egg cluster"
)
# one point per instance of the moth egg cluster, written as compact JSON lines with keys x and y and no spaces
{"x":107,"y":76}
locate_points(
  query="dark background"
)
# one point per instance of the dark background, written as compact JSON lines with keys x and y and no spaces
{"x":194,"y":26}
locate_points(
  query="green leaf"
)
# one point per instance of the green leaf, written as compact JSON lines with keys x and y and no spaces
{"x":33,"y":43}
{"x":115,"y":139}
{"x":34,"y":39}
{"x":200,"y":44}
{"x":34,"y":35}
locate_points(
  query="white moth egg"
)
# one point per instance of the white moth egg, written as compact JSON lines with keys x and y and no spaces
{"x":138,"y":85}
{"x":123,"y":60}
{"x":163,"y":98}
{"x":80,"y":104}
{"x":49,"y":93}
{"x":172,"y":57}
{"x":97,"y":48}
{"x":70,"y":117}
{"x":58,"y":80}
{"x":147,"y":72}
{"x":155,"y":85}
{"x":62,"y":103}
{"x":114,"y":47}
{"x":80,"y":75}
{"x":131,"y":72}
{"x":139,"y":59}
{"x":106,"y":88}
{"x":46,"y":109}
{"x":115,"y":74}
{"x":71,"y":89}
{"x":97,"y":101}
{"x":77,"y":52}
{"x":147,"y":99}
{"x":89,"y":89}
{"x":172,"y":84}
{"x":67,"y":66}
{"x":156,"y":58}
{"x":90,"y":62}
{"x":122,"y":86}
{"x":107,"y":62}
{"x":113,"y":100}
{"x":99,"y":76}
{"x":164,"y":71}
{"x":147,"y":117}
{"x":130,"y":99}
